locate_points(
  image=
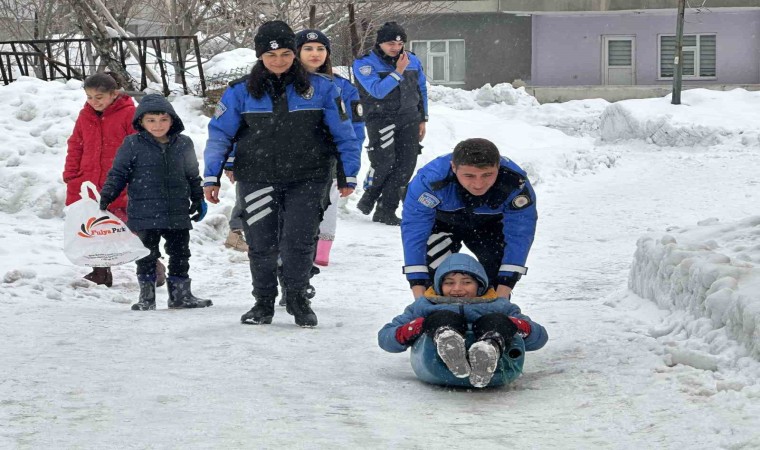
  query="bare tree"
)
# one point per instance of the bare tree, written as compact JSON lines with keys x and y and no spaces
{"x":33,"y":19}
{"x":224,"y":24}
{"x":94,"y":29}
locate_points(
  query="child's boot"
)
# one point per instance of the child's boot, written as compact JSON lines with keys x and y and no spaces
{"x":261,"y":313}
{"x":451,"y":348}
{"x":181,"y":296}
{"x":484,"y":357}
{"x":323,"y":252}
{"x":100,"y":275}
{"x":298,"y":306}
{"x":147,"y":300}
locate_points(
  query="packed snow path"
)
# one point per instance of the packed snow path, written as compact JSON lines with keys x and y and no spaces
{"x":86,"y":372}
{"x":80,"y":370}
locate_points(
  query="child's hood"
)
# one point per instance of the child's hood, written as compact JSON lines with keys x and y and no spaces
{"x":157,"y":103}
{"x":462,"y":263}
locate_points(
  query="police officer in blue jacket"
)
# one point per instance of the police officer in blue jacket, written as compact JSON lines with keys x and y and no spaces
{"x":394,"y":97}
{"x":285,"y":125}
{"x":474,"y":197}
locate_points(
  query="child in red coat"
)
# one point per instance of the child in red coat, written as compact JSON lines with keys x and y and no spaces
{"x":103,"y":123}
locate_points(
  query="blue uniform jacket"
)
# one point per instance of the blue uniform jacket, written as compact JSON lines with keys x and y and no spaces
{"x":433,"y":301}
{"x":281,"y":146}
{"x":350,"y":96}
{"x":429,"y":195}
{"x":387,"y":94}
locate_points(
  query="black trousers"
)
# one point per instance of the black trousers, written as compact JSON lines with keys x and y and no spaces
{"x":281,"y":219}
{"x":485,"y":240}
{"x":177,"y":246}
{"x":392,"y":151}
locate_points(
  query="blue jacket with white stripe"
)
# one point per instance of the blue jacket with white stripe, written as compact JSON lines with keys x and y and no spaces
{"x":435,"y":194}
{"x":281,"y":141}
{"x":385,"y":93}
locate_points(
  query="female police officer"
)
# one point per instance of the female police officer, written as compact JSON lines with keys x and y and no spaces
{"x":285,"y":125}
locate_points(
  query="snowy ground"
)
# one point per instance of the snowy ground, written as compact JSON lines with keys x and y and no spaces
{"x":670,"y":369}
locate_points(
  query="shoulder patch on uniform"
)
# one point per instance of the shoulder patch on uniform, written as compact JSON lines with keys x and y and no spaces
{"x":521,"y":201}
{"x":309,"y":94}
{"x":219,"y":110}
{"x":365,"y":70}
{"x":357,"y":111}
{"x":429,"y":200}
{"x":341,"y":108}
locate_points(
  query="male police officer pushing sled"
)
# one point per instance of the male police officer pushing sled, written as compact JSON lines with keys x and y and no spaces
{"x":472,"y":196}
{"x":394,"y":97}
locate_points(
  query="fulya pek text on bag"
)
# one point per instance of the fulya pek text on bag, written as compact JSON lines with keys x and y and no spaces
{"x":96,"y":238}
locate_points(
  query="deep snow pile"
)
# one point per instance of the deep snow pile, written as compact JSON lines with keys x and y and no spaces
{"x":704,"y":118}
{"x":502,"y":93}
{"x":709,"y":271}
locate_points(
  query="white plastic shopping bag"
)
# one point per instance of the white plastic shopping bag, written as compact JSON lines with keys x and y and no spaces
{"x":96,"y":238}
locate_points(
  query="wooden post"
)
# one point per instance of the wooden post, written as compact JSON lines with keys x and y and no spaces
{"x":356,"y":44}
{"x":678,"y":61}
{"x":200,"y":66}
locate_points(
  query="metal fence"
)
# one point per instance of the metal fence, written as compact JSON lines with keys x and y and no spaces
{"x":52,"y":59}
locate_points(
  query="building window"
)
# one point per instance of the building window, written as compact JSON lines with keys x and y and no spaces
{"x":698,"y":56}
{"x":443,"y":60}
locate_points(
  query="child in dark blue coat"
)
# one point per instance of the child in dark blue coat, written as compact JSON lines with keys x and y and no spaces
{"x":164,"y":187}
{"x":460,"y":332}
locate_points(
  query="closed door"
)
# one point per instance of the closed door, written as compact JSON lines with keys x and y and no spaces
{"x":618,"y":55}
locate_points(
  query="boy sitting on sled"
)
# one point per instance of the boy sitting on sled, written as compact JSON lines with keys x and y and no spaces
{"x":460,"y":332}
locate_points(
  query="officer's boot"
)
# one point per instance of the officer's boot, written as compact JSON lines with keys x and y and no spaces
{"x":181,"y":295}
{"x":147,"y":300}
{"x":298,"y":306}
{"x":367,"y":202}
{"x":386,"y":217}
{"x":261,"y":313}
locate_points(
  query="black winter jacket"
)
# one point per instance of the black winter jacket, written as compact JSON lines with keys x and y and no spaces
{"x":162,"y":180}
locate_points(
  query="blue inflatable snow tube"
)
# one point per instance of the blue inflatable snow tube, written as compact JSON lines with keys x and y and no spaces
{"x":429,"y":367}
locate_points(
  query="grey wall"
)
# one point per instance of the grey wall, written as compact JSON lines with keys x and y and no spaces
{"x":567,"y":49}
{"x":497,"y":46}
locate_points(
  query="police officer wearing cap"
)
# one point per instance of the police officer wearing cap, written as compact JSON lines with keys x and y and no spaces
{"x":391,"y":83}
{"x":285,"y":125}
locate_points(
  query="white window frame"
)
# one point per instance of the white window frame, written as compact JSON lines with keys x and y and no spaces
{"x":428,"y":63}
{"x":694,"y":49}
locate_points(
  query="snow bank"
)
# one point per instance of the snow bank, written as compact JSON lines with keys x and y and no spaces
{"x":704,"y":118}
{"x":238,"y":60}
{"x":502,"y":93}
{"x":39,"y":121}
{"x":710,"y":271}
